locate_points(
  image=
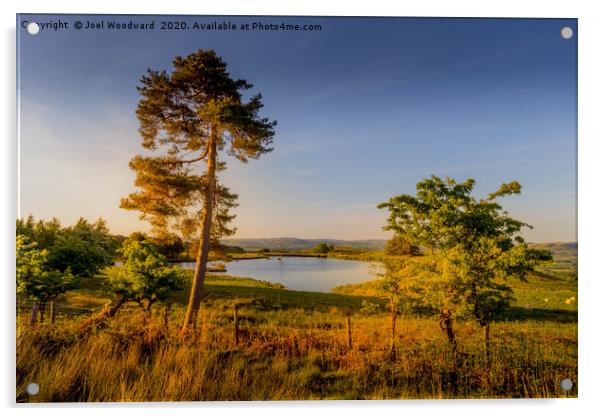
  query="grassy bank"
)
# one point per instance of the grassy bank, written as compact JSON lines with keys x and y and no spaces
{"x":289,"y":355}
{"x":292,"y":345}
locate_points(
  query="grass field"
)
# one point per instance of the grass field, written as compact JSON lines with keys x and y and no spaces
{"x":294,"y":345}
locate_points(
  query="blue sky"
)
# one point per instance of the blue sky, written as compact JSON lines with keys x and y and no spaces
{"x":365,"y":109}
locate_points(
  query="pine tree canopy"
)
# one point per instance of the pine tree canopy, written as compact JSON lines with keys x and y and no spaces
{"x":183,"y":114}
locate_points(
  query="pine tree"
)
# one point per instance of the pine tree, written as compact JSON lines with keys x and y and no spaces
{"x":192,"y":115}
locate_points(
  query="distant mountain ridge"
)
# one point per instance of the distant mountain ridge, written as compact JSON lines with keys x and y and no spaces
{"x":293,"y":243}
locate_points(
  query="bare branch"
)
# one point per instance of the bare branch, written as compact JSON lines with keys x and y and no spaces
{"x":181,"y":162}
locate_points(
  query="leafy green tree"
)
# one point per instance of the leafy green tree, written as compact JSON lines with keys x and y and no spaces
{"x":170,"y":245}
{"x":369,"y":308}
{"x":323,"y":248}
{"x":399,"y":246}
{"x":136,"y":236}
{"x":192,"y":114}
{"x":35,"y":278}
{"x":83,"y":248}
{"x":30,"y":262}
{"x":43,"y":233}
{"x":392,"y":286}
{"x":396,"y":283}
{"x":475,"y":247}
{"x":145,"y":276}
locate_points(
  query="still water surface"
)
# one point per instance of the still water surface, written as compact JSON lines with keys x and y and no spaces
{"x":302,"y":273}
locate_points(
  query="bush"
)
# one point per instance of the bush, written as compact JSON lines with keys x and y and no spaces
{"x":370,"y":308}
{"x":323,"y":248}
{"x":399,"y":246}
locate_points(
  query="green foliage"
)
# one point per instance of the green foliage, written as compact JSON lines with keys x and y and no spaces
{"x":400,"y":246}
{"x":393,"y":283}
{"x":169,"y":245}
{"x":35,"y":278}
{"x":443,"y":214}
{"x":370,"y":308}
{"x":323,"y":248}
{"x":50,"y":284}
{"x":145,"y":274}
{"x":474,"y":245}
{"x":84,"y":248}
{"x":43,"y":233}
{"x":30,"y":262}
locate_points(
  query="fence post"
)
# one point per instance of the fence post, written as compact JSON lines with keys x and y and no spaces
{"x":349,"y":344}
{"x":42,"y":308}
{"x":52,"y":313}
{"x":236,"y":323}
{"x":165,"y":320}
{"x":34,"y":314}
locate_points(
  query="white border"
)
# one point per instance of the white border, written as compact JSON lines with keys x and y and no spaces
{"x":590,"y":290}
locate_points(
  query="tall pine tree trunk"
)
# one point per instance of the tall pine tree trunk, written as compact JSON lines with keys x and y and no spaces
{"x":194,"y":302}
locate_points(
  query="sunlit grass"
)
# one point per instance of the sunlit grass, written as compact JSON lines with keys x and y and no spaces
{"x":293,"y":345}
{"x":288,"y":355}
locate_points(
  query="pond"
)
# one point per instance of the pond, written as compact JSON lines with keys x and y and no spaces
{"x":302,"y":273}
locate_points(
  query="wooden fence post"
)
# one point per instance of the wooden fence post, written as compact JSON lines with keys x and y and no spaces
{"x":236,"y":323}
{"x":165,"y":319}
{"x":52,"y":313}
{"x":34,"y":314}
{"x":42,"y":308}
{"x":349,"y":344}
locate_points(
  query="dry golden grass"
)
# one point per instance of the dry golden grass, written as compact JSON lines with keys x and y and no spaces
{"x":289,"y":354}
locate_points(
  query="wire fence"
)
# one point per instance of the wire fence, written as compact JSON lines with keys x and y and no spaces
{"x":61,"y":311}
{"x":53,"y":310}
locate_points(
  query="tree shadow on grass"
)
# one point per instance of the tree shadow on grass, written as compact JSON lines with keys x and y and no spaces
{"x":274,"y":299}
{"x":517,"y":313}
{"x":267,"y":298}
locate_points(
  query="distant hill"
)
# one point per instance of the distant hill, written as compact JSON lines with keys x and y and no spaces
{"x":292,"y":243}
{"x":560,"y":249}
{"x":565,"y":260}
